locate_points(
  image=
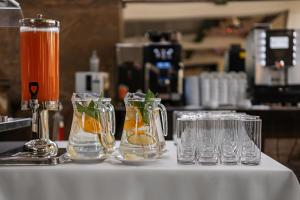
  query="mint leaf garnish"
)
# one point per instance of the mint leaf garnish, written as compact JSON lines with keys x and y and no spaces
{"x":141,"y":105}
{"x":90,"y":110}
{"x":91,"y":105}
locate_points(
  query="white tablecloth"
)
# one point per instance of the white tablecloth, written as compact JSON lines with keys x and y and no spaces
{"x":163,"y":180}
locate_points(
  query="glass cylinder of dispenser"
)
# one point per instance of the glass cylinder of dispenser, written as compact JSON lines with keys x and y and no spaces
{"x":39,"y":50}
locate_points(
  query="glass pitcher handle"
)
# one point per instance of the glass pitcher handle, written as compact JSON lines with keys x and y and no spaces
{"x":163,"y":112}
{"x":112,"y":118}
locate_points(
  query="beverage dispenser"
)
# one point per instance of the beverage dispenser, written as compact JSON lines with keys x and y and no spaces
{"x":39,"y":51}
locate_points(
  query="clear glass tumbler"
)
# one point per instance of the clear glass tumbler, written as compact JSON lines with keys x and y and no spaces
{"x":207,"y":139}
{"x":177,"y":114}
{"x":229,"y":139}
{"x":250,"y":130}
{"x":186,"y":139}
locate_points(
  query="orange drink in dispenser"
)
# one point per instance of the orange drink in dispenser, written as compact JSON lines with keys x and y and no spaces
{"x":39,"y":47}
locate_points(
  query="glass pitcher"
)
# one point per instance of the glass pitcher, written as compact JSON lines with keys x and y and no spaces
{"x":144,"y":127}
{"x":93,"y":127}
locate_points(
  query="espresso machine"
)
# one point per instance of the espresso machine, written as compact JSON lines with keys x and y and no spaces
{"x":154,"y":65}
{"x":273,"y":65}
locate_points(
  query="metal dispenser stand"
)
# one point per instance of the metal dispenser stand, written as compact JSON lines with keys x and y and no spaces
{"x":42,"y":146}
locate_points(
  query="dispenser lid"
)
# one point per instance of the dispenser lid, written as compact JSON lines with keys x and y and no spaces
{"x":39,"y":22}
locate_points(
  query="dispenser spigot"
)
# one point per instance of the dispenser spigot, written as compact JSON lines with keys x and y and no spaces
{"x":34,"y":106}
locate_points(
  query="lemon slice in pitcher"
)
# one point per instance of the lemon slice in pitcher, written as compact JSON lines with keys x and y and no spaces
{"x":130,"y":156}
{"x":107,"y":140}
{"x":141,"y":139}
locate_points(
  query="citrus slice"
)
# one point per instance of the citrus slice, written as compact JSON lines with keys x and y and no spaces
{"x":130,"y":156}
{"x":71,"y":151}
{"x":131,"y":112}
{"x":141,"y":139}
{"x":107,"y":140}
{"x":91,"y":125}
{"x":133,"y":118}
{"x":134,"y":131}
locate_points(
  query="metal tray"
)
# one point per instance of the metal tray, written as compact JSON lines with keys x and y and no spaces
{"x":17,"y":156}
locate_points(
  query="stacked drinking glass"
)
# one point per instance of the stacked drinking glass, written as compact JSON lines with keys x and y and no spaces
{"x":218,"y":136}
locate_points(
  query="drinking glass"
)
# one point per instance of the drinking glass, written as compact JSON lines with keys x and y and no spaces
{"x":229,"y":139}
{"x":176,"y":115}
{"x":205,"y":89}
{"x":93,"y":128}
{"x":233,"y":89}
{"x":186,"y":139}
{"x":207,"y":139}
{"x":214,"y":91}
{"x":250,"y":130}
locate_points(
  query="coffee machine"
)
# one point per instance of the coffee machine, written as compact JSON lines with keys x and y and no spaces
{"x":154,"y":65}
{"x":273,"y":65}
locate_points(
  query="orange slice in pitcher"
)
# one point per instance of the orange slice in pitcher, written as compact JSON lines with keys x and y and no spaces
{"x":91,"y":125}
{"x":133,"y":118}
{"x":134,"y":131}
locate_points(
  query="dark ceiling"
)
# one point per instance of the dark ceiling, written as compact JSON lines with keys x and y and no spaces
{"x":212,"y":1}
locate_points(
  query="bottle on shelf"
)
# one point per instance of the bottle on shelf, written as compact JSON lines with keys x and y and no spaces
{"x":58,"y":125}
{"x":94,"y":62}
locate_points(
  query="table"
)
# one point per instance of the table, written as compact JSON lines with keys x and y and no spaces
{"x":162,"y":180}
